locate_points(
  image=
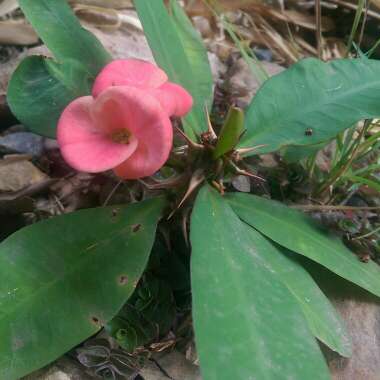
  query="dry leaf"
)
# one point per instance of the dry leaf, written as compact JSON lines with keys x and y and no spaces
{"x":115,"y":4}
{"x":17,"y":173}
{"x":8,"y":6}
{"x":17,"y":33}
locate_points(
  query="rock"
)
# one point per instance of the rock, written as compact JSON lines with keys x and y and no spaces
{"x":63,"y":369}
{"x":121,"y":43}
{"x":218,"y":68}
{"x":176,"y":366}
{"x":242,"y":84}
{"x":361,"y":313}
{"x":263,"y":54}
{"x":22,"y":142}
{"x":6,"y":117}
{"x":202,"y":24}
{"x":53,"y":373}
{"x":17,"y":33}
{"x":17,"y":173}
{"x":241,"y":183}
{"x":131,"y":43}
{"x":126,"y":42}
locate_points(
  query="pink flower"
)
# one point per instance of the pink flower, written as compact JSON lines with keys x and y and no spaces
{"x":125,"y":125}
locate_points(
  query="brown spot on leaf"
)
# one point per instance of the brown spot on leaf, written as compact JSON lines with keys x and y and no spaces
{"x":365,"y":258}
{"x":96,"y":321}
{"x":92,"y":246}
{"x":136,"y":228}
{"x":123,"y":280}
{"x":17,"y":343}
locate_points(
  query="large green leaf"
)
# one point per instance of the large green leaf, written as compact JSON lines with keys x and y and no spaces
{"x":62,"y":279}
{"x":312,"y":102}
{"x":60,"y":30}
{"x":296,"y":231}
{"x":323,"y":320}
{"x":40,"y":89}
{"x":179,"y":50}
{"x":247,"y":323}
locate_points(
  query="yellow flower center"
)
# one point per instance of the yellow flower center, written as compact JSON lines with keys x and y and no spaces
{"x":121,"y":136}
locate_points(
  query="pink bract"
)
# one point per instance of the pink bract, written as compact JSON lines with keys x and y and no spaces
{"x":125,"y":125}
{"x":124,"y":129}
{"x":141,"y":74}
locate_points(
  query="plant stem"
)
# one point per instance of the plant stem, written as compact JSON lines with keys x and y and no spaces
{"x":334,"y":208}
{"x":342,"y":169}
{"x":358,"y":14}
{"x":318,"y":29}
{"x":367,"y":234}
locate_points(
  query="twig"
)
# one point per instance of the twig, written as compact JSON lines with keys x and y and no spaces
{"x":367,"y":234}
{"x":354,"y":7}
{"x":318,"y":29}
{"x":334,"y":208}
{"x":110,"y":195}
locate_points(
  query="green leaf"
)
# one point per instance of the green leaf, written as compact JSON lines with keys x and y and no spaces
{"x":296,"y":231}
{"x":296,"y":153}
{"x":325,"y":323}
{"x":40,"y":89}
{"x":179,"y":50}
{"x":371,"y":182}
{"x":312,"y":102}
{"x":60,"y":30}
{"x":131,"y":329}
{"x":149,"y":314}
{"x":64,"y":278}
{"x":247,"y":324}
{"x":231,"y":132}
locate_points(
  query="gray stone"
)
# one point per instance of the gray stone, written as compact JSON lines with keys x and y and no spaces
{"x":22,"y":142}
{"x":218,"y":68}
{"x":174,"y":364}
{"x":242,"y":183}
{"x":242,"y":84}
{"x":63,"y":369}
{"x":361,"y":313}
{"x":17,"y":173}
{"x":126,"y":42}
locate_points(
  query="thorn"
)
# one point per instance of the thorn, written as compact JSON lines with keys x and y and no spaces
{"x":165,"y":184}
{"x":210,"y":127}
{"x":249,"y":174}
{"x":197,"y":178}
{"x":219,"y":186}
{"x":246,"y":173}
{"x":190,"y":142}
{"x":249,"y":150}
{"x":242,"y":134}
{"x":184,"y":223}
